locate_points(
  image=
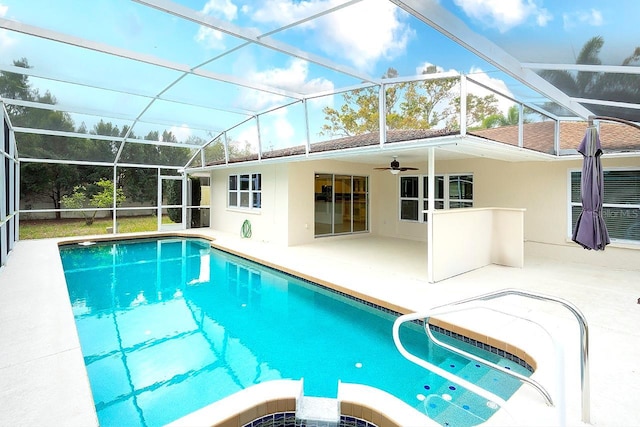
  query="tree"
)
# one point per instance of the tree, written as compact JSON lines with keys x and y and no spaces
{"x":214,"y":151}
{"x":48,"y":179}
{"x":41,"y":179}
{"x":478,"y":109}
{"x":423,"y":99}
{"x":54,"y":180}
{"x":409,"y":105}
{"x":360,"y":111}
{"x":498,"y":120}
{"x":174,"y":197}
{"x":140,"y":184}
{"x":82,"y":198}
{"x":16,"y":86}
{"x":606,"y":86}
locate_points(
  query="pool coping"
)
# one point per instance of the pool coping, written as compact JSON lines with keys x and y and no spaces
{"x":283,"y":396}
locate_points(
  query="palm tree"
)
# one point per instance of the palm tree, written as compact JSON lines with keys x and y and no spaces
{"x":499,"y":120}
{"x":596,"y":85}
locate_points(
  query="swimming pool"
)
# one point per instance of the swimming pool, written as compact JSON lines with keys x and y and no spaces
{"x":168,"y":326}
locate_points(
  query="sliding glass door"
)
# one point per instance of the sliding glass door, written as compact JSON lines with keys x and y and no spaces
{"x":323,"y":204}
{"x":360,"y":200}
{"x":341,"y":204}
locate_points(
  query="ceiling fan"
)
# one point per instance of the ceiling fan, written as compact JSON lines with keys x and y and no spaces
{"x":395,"y":168}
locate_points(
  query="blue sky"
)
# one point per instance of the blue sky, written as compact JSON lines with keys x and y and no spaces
{"x":369,"y":37}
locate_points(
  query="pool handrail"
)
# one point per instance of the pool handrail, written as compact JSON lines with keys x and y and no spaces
{"x":545,"y":394}
{"x":584,"y":334}
{"x":438,"y":370}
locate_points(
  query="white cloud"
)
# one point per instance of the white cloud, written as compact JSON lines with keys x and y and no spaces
{"x":292,"y":78}
{"x":505,"y":15}
{"x":480,"y":76}
{"x":282,"y":127}
{"x":362,"y":33}
{"x":227,"y":9}
{"x":592,"y":17}
{"x":423,"y":66}
{"x":210,"y":38}
{"x":284,"y":12}
{"x":284,"y":131}
{"x":248,"y":136}
{"x":277,"y":131}
{"x":6,"y":40}
{"x":182,"y":132}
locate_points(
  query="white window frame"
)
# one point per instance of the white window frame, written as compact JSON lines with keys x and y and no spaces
{"x":422,"y":200}
{"x":418,"y":199}
{"x":634,"y":209}
{"x":252,"y":194}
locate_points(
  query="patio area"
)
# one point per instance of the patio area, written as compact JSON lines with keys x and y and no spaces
{"x":42,"y":369}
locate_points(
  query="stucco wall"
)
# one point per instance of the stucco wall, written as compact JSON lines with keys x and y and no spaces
{"x":301,"y":194}
{"x":287,"y":214}
{"x":541,"y":188}
{"x":538,"y":187}
{"x":269,"y":224}
{"x":387,"y":211}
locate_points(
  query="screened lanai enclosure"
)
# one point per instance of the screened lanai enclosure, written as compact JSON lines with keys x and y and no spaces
{"x":117,"y":109}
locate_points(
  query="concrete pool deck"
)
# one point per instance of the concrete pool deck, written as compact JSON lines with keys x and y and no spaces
{"x":42,"y":372}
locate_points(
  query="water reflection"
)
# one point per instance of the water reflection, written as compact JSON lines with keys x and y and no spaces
{"x":169,"y":326}
{"x":141,"y":337}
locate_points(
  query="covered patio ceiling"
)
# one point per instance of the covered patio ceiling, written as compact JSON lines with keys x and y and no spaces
{"x":182,"y":74}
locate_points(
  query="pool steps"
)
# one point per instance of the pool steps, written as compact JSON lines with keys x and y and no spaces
{"x":320,"y":411}
{"x":478,"y":388}
{"x":467,"y":404}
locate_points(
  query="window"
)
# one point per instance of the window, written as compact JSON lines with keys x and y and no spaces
{"x":451,"y":192}
{"x":621,"y":204}
{"x":409,"y":200}
{"x":341,"y":204}
{"x":245,"y":191}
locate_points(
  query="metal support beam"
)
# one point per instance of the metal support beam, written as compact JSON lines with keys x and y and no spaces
{"x":437,"y":17}
{"x":431,"y":206}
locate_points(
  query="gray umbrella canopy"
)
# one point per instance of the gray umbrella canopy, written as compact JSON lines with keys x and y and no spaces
{"x":591,"y":231}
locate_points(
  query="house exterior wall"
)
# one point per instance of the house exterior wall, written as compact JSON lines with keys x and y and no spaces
{"x":387,"y":212}
{"x":541,"y":188}
{"x":287,"y":213}
{"x":269,"y":224}
{"x":301,"y":208}
{"x":301,"y":194}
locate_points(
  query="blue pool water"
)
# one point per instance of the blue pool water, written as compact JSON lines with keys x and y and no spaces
{"x":168,"y":326}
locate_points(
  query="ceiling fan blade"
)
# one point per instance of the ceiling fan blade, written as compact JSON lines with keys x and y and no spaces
{"x":395,"y":166}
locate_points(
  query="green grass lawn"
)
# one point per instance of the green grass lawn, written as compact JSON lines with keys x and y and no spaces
{"x":43,"y":229}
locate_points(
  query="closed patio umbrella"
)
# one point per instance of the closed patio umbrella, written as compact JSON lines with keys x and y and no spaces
{"x":591,"y":231}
